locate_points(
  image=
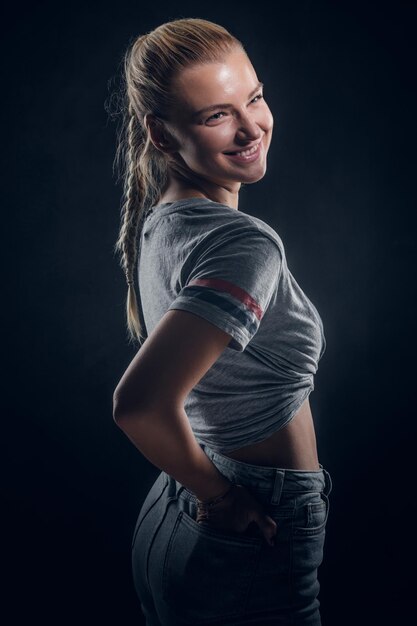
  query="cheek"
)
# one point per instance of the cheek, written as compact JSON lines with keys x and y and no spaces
{"x":213,"y":142}
{"x":223,"y":136}
{"x":267,"y":119}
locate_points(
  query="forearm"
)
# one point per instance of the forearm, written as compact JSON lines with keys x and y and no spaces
{"x":166,"y":439}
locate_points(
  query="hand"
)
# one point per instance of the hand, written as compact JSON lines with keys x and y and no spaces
{"x":236,"y":511}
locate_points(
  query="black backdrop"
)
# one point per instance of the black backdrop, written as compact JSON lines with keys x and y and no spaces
{"x":340,"y":80}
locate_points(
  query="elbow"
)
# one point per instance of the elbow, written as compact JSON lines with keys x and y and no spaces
{"x":125,"y":407}
{"x":117,"y":406}
{"x":120,"y":406}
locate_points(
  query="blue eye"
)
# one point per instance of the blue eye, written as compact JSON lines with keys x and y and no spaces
{"x":222,"y":112}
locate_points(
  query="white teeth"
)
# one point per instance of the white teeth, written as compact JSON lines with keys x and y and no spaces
{"x":247,"y":152}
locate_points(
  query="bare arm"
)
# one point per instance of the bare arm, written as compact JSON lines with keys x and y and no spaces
{"x":149,"y":399}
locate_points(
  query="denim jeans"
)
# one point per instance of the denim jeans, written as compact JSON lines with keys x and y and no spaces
{"x":190,"y":574}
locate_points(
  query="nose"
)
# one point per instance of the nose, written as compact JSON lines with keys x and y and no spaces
{"x":248,"y":128}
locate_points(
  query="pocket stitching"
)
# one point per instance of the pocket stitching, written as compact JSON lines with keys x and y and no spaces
{"x":313,"y":530}
{"x":216,"y":534}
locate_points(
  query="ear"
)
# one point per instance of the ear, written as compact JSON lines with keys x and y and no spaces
{"x":159,"y":136}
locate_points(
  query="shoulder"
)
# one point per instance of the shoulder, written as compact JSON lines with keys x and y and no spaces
{"x":216,"y":221}
{"x":267,"y":230}
{"x":254,"y":229}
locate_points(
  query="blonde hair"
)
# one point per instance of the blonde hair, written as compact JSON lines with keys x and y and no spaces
{"x":150,"y":63}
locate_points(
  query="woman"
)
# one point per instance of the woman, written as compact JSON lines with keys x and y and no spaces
{"x":232,"y":531}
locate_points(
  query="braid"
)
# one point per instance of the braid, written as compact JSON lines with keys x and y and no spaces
{"x":132,"y":211}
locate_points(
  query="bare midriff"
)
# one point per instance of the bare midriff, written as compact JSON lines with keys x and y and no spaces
{"x":292,"y":447}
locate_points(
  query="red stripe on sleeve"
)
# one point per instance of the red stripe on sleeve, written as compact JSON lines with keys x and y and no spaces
{"x":224,"y":285}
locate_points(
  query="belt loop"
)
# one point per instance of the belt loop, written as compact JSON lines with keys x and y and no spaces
{"x":328,"y":481}
{"x":278,"y":486}
{"x":174,"y":488}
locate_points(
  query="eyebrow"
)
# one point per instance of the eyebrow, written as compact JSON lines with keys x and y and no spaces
{"x":226,"y":106}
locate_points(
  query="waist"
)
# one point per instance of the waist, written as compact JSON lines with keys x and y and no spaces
{"x":227,"y":423}
{"x":270,"y":483}
{"x":292,"y":447}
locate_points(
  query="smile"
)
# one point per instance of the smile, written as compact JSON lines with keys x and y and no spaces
{"x":245,"y":155}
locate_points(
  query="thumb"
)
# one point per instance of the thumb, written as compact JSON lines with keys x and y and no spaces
{"x":268,"y":527}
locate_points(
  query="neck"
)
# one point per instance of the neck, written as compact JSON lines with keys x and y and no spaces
{"x":179,"y":187}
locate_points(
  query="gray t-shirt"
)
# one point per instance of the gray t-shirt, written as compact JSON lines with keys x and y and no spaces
{"x":230,"y":268}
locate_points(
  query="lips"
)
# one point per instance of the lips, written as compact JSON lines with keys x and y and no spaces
{"x":243,"y":149}
{"x":248,"y":158}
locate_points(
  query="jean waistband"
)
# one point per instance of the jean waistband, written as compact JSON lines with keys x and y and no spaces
{"x":274,"y":480}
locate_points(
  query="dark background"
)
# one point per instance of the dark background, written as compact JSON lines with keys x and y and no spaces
{"x":340,"y":80}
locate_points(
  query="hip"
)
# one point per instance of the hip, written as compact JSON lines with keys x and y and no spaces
{"x":186,"y":567}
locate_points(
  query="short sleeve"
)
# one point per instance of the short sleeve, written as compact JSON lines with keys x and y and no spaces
{"x":231,"y":280}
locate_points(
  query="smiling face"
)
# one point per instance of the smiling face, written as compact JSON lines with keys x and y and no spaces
{"x":203,"y":138}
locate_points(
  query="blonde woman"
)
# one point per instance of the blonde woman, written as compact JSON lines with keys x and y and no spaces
{"x":232,"y":531}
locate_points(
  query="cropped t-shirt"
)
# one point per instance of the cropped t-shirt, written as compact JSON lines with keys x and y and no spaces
{"x":230,"y":268}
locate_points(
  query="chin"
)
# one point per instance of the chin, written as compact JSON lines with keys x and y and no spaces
{"x":253,"y":177}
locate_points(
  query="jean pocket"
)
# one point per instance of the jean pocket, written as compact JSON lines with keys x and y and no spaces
{"x":207,"y":572}
{"x":311,"y":513}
